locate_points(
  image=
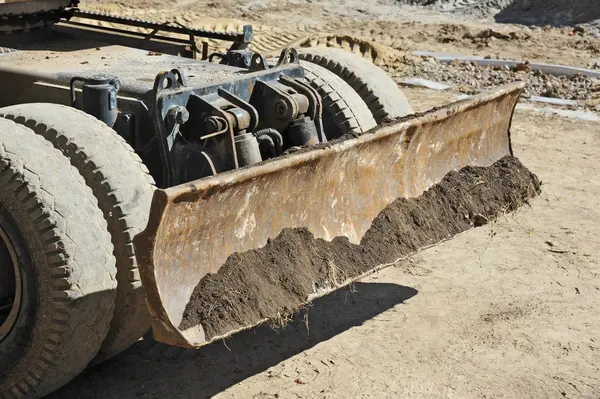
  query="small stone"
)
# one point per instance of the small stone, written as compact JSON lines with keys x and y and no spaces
{"x":523,"y":67}
{"x":479,"y":220}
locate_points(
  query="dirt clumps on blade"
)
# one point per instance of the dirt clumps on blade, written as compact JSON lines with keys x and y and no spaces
{"x":290,"y":270}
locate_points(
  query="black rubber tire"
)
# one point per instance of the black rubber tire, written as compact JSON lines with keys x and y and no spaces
{"x":65,"y":260}
{"x":123,"y":188}
{"x":382,"y":95}
{"x":344,"y":112}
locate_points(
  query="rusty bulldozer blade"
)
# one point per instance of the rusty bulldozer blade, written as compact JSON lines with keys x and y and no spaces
{"x":334,"y":190}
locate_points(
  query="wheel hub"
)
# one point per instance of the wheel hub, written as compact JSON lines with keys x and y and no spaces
{"x":10,"y":285}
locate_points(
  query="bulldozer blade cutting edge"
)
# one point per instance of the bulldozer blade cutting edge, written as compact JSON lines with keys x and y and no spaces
{"x":334,"y":190}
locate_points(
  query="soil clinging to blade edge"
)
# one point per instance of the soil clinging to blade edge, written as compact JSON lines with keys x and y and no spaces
{"x":274,"y":281}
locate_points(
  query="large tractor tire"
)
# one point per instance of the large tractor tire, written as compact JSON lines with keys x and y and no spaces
{"x":344,"y":112}
{"x":57,"y":254}
{"x":123,"y":187}
{"x":379,"y":91}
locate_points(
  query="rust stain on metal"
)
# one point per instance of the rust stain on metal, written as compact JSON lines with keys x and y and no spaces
{"x":335,"y":190}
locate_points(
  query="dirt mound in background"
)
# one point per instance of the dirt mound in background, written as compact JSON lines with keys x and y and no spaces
{"x":527,"y":12}
{"x":486,"y":8}
{"x":550,"y":12}
{"x":271,"y":282}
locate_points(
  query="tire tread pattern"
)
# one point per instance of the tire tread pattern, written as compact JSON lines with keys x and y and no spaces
{"x":350,"y":114}
{"x":123,"y":187}
{"x":382,"y":95}
{"x":77,"y":263}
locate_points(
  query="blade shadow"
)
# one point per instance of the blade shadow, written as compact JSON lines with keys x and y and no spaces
{"x":150,"y":369}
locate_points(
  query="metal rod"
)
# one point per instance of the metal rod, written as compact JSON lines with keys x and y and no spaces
{"x":244,"y":37}
{"x":132,"y":33}
{"x":214,"y":134}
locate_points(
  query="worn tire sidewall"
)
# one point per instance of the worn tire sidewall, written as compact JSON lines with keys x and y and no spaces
{"x":23,"y":235}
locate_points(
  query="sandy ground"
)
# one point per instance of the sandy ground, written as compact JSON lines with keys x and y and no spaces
{"x":507,"y":310}
{"x":394,"y":29}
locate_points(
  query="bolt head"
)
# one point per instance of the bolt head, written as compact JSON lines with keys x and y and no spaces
{"x":280,"y":108}
{"x":211,"y":125}
{"x":178,"y":114}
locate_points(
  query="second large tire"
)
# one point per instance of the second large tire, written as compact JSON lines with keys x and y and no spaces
{"x":344,"y":111}
{"x":379,"y":91}
{"x":123,"y":187}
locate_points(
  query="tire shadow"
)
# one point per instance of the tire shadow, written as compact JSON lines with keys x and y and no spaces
{"x":153,"y":370}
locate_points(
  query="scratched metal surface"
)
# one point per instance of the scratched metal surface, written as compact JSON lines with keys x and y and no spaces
{"x":333,"y":191}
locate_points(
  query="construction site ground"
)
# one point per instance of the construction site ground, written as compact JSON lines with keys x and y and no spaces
{"x":508,"y":310}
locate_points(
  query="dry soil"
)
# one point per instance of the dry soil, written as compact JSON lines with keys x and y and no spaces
{"x":273,"y":281}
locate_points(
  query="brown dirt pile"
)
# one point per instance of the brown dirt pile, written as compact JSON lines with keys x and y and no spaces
{"x":273,"y":281}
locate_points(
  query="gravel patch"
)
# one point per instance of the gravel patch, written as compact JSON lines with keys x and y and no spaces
{"x":470,"y":78}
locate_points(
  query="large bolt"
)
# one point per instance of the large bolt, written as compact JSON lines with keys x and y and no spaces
{"x":247,"y":60}
{"x":178,"y":114}
{"x":213,"y":124}
{"x":281,"y":108}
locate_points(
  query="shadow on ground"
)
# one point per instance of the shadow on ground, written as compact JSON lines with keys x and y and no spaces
{"x":151,"y":370}
{"x":549,"y":12}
